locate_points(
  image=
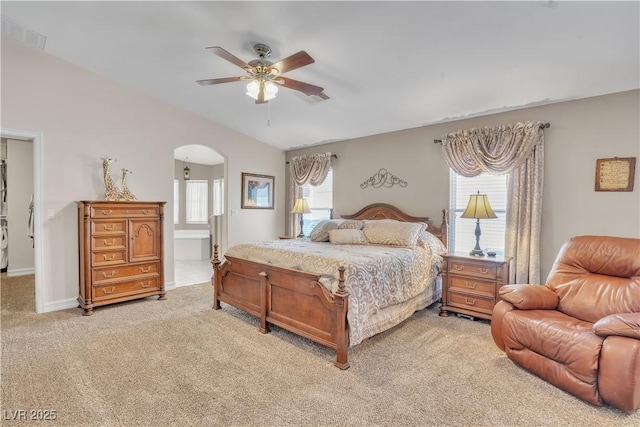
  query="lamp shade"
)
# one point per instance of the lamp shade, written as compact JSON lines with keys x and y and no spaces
{"x":301,"y":207}
{"x":478,"y":207}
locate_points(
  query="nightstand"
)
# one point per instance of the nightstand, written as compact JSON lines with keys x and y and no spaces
{"x":470,"y":284}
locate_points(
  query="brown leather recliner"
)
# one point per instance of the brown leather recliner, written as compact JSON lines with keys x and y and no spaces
{"x":581,"y":330}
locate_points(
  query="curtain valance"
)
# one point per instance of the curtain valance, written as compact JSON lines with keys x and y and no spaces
{"x":497,"y":151}
{"x":311,"y":169}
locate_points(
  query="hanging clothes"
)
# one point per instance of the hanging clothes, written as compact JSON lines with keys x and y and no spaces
{"x":4,"y":247}
{"x":30,"y":223}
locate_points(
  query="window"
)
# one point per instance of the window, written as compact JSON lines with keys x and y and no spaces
{"x":320,"y":199}
{"x":218,"y":196}
{"x":176,"y":201}
{"x":462,"y":236}
{"x":197,"y":201}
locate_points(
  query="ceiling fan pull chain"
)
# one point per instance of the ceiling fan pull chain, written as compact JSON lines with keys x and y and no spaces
{"x":268,"y":115}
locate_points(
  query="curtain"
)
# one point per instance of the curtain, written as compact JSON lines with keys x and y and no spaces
{"x":303,"y":170}
{"x":517,"y":151}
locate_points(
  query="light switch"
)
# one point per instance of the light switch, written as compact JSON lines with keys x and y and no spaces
{"x":51,"y":213}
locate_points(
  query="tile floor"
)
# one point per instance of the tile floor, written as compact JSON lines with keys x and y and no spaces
{"x":190,"y":272}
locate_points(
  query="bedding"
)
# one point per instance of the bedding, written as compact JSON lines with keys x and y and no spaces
{"x":378,"y":277}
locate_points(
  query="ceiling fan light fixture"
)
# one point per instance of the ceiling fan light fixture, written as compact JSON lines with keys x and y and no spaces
{"x":270,"y":89}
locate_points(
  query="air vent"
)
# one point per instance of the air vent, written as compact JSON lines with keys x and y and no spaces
{"x":17,"y":31}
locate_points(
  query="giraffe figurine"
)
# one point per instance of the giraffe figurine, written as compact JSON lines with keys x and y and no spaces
{"x":126,"y":194}
{"x":112,"y":192}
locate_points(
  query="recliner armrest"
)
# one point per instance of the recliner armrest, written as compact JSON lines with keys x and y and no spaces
{"x":621,"y":324}
{"x":530,"y":297}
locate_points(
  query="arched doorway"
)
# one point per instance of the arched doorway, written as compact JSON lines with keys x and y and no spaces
{"x":199,"y":211}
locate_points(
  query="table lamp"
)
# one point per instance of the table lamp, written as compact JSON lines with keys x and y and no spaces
{"x":478,"y":207}
{"x":301,"y":207}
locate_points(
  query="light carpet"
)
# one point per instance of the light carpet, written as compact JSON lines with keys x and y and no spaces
{"x":179,"y":363}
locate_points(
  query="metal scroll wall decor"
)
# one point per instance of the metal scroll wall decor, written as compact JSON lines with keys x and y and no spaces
{"x":383,"y":178}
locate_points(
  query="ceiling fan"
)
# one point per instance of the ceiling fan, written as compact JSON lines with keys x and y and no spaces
{"x":264,"y":76}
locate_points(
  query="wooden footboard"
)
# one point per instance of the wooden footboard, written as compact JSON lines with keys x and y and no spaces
{"x":291,"y":299}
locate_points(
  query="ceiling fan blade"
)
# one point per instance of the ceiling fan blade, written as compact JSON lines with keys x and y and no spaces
{"x":216,"y":81}
{"x":292,"y":62}
{"x":217,"y":50}
{"x":303,"y":87}
{"x":323,"y":95}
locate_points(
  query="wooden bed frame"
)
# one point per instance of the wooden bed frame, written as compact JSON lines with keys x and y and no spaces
{"x":295,"y":300}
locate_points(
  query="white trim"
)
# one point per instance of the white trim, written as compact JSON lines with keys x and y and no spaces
{"x":61,"y":304}
{"x":20,"y":272}
{"x":169,"y":286}
{"x":38,"y":225}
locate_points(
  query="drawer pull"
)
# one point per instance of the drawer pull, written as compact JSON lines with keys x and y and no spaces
{"x":470,"y":301}
{"x":483,"y":270}
{"x":145,"y":286}
{"x":108,"y":276}
{"x":109,"y":258}
{"x":113,"y":227}
{"x":145,"y":270}
{"x":106,"y":212}
{"x":111,"y":243}
{"x":108,"y":291}
{"x":470,"y":285}
{"x":145,"y":212}
{"x":459,"y":267}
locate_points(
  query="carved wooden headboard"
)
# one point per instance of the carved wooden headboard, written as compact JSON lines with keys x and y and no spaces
{"x":386,"y":211}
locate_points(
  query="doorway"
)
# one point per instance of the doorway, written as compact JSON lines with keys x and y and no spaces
{"x":33,"y":167}
{"x":199,"y":214}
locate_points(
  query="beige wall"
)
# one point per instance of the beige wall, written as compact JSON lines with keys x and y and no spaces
{"x":19,"y":191}
{"x":581,"y":132}
{"x":82,"y":117}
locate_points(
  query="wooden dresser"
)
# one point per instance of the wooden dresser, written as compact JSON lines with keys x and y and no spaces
{"x":121,"y":252}
{"x":470,"y":284}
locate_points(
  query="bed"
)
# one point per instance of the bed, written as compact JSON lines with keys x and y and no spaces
{"x":335,"y":294}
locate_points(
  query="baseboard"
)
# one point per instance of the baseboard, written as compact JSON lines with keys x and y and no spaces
{"x":61,"y":304}
{"x":169,"y":286}
{"x":21,"y":272}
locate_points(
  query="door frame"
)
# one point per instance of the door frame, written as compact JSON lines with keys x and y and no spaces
{"x":38,"y":224}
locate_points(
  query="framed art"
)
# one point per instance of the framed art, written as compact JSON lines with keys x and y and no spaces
{"x":257,"y":191}
{"x":615,"y":174}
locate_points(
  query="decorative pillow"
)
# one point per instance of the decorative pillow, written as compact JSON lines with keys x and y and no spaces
{"x":393,"y":233}
{"x":347,"y":236}
{"x":430,"y":241}
{"x":351,"y":224}
{"x":320,"y":232}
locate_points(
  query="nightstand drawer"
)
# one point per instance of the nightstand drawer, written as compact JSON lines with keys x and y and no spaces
{"x":468,"y":268}
{"x":472,"y":285}
{"x":470,"y":302}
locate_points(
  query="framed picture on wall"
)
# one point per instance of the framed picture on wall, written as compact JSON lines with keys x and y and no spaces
{"x":257,"y":191}
{"x":615,"y":174}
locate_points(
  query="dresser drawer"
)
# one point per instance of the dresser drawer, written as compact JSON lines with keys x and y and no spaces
{"x":127,"y":211}
{"x":468,"y":268}
{"x":101,"y":228}
{"x":130,"y":287}
{"x":108,"y":242}
{"x":110,"y":274}
{"x":108,"y":257}
{"x":470,"y":302}
{"x":468,"y":284}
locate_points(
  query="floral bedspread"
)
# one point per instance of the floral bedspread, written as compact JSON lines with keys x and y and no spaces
{"x":376,"y":276}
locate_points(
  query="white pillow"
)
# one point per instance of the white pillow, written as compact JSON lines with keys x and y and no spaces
{"x":351,"y":224}
{"x":347,"y":236}
{"x":393,"y":233}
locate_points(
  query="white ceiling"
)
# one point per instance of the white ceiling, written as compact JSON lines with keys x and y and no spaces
{"x":386,"y":65}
